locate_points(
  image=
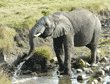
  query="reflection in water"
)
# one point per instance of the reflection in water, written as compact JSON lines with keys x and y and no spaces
{"x":47,"y":80}
{"x":53,"y":79}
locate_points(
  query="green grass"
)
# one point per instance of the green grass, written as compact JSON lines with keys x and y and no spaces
{"x":22,"y":14}
{"x":21,"y":44}
{"x":43,"y":52}
{"x":105,"y":41}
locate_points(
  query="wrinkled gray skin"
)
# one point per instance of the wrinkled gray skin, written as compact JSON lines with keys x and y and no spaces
{"x":76,"y":28}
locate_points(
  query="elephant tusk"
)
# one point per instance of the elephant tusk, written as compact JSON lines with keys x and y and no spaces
{"x":38,"y":34}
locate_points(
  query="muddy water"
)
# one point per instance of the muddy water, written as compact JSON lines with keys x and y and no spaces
{"x":51,"y":77}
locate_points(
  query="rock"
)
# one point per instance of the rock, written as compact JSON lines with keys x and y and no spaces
{"x":26,"y":72}
{"x":88,"y":65}
{"x":87,"y":70}
{"x":104,"y":59}
{"x":58,"y":72}
{"x":108,"y":82}
{"x":100,"y":53}
{"x":34,"y":73}
{"x":95,"y":65}
{"x":99,"y":73}
{"x":79,"y":71}
{"x":100,"y":79}
{"x":73,"y":70}
{"x":53,"y":60}
{"x":92,"y":83}
{"x":80,"y":63}
{"x":81,"y":77}
{"x":106,"y":69}
{"x":95,"y":81}
{"x":109,"y":71}
{"x":60,"y":76}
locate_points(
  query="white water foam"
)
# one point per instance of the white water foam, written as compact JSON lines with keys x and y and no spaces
{"x":18,"y":71}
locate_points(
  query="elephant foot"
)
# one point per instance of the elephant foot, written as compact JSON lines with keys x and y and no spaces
{"x":92,"y":62}
{"x":61,"y":68}
{"x":67,"y":72}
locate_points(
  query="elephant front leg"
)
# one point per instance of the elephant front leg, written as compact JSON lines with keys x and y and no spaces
{"x":68,"y":44}
{"x":58,"y":47}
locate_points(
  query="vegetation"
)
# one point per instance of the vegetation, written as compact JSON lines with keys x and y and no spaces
{"x":21,"y":44}
{"x":81,"y":63}
{"x":43,"y":52}
{"x":6,"y":37}
{"x":4,"y":79}
{"x":21,"y":14}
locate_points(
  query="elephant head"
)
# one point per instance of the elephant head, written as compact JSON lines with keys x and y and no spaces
{"x":54,"y":25}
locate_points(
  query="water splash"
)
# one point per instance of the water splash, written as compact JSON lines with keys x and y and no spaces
{"x":18,"y":70}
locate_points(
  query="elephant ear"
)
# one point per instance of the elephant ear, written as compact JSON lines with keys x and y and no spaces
{"x":63,"y":27}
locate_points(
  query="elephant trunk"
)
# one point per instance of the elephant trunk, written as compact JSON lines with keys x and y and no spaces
{"x":32,"y":35}
{"x":32,"y":47}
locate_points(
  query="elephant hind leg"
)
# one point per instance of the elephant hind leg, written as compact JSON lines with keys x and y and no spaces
{"x":93,"y":47}
{"x":93,"y":54}
{"x":58,"y":47}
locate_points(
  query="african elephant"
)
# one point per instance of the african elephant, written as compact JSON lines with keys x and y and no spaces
{"x":77,"y":28}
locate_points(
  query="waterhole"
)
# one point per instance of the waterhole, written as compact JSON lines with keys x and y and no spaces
{"x":52,"y":77}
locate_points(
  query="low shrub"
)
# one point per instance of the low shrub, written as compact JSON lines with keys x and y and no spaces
{"x":43,"y":52}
